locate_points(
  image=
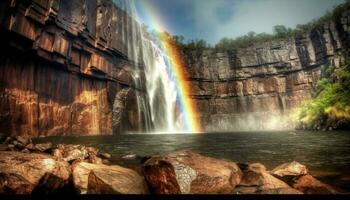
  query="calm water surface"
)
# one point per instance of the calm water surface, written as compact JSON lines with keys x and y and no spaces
{"x":327,"y":154}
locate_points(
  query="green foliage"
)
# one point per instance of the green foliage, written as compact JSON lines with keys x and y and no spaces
{"x":192,"y":44}
{"x":328,"y":94}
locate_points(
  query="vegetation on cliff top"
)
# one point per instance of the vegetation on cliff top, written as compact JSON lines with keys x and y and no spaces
{"x":251,"y":38}
{"x":330,"y":106}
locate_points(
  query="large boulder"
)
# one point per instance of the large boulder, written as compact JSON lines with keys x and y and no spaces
{"x":102,"y":179}
{"x":256,"y":180}
{"x":289,"y":171}
{"x":185,"y":172}
{"x":296,"y":175}
{"x":309,"y":185}
{"x":22,"y":173}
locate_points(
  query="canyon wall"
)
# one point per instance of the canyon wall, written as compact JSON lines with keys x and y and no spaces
{"x":257,"y":87}
{"x":65,"y":69}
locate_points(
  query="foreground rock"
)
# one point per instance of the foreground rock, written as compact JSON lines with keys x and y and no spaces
{"x":256,"y":180}
{"x":185,"y":172}
{"x":288,"y":171}
{"x":296,"y":175}
{"x":71,"y":153}
{"x":102,"y":179}
{"x":22,"y":173}
{"x":309,"y":185}
{"x":68,"y":153}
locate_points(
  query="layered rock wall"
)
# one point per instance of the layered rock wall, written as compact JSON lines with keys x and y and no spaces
{"x":64,"y":65}
{"x":253,"y":88}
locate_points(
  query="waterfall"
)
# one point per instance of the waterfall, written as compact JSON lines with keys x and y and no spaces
{"x":152,"y":73}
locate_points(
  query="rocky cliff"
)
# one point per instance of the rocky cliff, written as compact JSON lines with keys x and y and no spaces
{"x":65,"y":70}
{"x":257,"y":87}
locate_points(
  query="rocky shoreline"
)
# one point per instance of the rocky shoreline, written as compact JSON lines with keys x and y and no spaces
{"x":27,"y":168}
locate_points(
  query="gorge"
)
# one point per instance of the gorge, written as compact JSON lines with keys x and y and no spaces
{"x":68,"y":68}
{"x":92,"y":101}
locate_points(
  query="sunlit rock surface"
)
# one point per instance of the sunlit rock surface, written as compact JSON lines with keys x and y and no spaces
{"x":22,"y":173}
{"x":309,"y":185}
{"x":185,"y":172}
{"x":62,"y":66}
{"x":103,"y":179}
{"x":237,"y":89}
{"x":257,"y":180}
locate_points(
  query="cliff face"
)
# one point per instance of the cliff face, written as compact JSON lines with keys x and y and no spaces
{"x":254,"y":88}
{"x":64,"y":69}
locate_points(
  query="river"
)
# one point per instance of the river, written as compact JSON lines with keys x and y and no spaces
{"x":326,"y":154}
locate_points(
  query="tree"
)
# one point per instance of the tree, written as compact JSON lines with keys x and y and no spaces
{"x":280,"y":31}
{"x":179,"y":39}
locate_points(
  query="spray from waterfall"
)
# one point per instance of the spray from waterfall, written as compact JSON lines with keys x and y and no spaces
{"x":160,"y":71}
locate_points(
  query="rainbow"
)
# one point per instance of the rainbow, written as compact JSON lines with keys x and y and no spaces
{"x":177,"y":68}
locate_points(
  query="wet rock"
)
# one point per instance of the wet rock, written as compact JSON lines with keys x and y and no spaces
{"x":24,"y":140}
{"x":290,"y":169}
{"x":103,"y":179}
{"x":116,"y":180}
{"x":30,"y":147}
{"x":129,"y":157}
{"x":185,"y":172}
{"x":11,"y":147}
{"x":56,"y":153}
{"x":106,"y":162}
{"x":43,"y":147}
{"x":3,"y":147}
{"x":75,"y":154}
{"x":105,"y":156}
{"x":14,"y":142}
{"x":25,"y":151}
{"x":92,"y":150}
{"x":15,"y":184}
{"x":279,"y":191}
{"x":21,"y":173}
{"x":256,"y":180}
{"x":95,"y":160}
{"x":309,"y":185}
{"x":8,"y":140}
{"x":287,"y":171}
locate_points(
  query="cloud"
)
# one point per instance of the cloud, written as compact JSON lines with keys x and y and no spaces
{"x":213,"y":22}
{"x":214,"y":19}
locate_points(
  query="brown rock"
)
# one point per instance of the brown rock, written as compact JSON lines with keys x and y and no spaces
{"x":185,"y":172}
{"x":92,"y":151}
{"x":309,"y":185}
{"x":25,"y":151}
{"x":116,"y":180}
{"x":103,"y":179}
{"x":104,"y":156}
{"x":75,"y":154}
{"x":24,"y":140}
{"x":3,"y":147}
{"x":94,"y":159}
{"x":30,"y":147}
{"x":290,"y":169}
{"x":280,"y":191}
{"x":43,"y":147}
{"x":56,"y":153}
{"x":11,"y":147}
{"x":21,"y":173}
{"x":8,"y":140}
{"x":256,"y":180}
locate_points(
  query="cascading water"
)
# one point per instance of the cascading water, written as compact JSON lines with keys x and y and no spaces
{"x":152,"y":72}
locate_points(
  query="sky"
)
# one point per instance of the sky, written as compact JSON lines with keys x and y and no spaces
{"x":214,"y":19}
